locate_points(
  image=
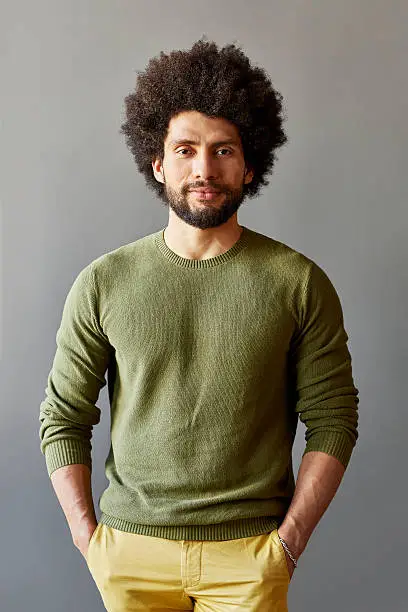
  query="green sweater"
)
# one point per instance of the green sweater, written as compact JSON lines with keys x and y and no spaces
{"x":209,"y":363}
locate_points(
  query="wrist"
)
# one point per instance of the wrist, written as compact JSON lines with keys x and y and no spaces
{"x":288,"y":552}
{"x":294,"y":539}
{"x":83,"y":530}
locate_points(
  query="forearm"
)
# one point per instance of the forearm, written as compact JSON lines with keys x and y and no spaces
{"x":72,"y":485}
{"x":318,"y":479}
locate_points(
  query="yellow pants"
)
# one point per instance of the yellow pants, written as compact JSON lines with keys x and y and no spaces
{"x":139,"y":572}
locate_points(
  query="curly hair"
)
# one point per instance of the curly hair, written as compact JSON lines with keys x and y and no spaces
{"x":217,"y":82}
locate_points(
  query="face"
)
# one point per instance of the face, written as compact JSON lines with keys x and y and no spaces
{"x":202,"y":153}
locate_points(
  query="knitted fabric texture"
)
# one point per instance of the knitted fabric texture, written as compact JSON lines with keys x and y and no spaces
{"x":210,"y":364}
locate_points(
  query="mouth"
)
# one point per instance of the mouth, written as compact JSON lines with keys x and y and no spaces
{"x":206,"y":194}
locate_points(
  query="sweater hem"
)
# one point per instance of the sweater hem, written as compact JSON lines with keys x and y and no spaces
{"x":229,"y":530}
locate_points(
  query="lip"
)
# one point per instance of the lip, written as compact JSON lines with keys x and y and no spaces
{"x":206,"y":195}
{"x":210,"y":191}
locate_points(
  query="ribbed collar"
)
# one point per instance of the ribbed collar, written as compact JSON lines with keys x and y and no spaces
{"x":185,"y":262}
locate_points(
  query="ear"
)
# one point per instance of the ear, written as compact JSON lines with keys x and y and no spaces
{"x":249,"y":174}
{"x":158,"y":170}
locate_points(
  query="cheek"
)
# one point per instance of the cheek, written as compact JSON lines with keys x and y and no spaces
{"x":234,"y":171}
{"x":177,"y":173}
{"x":235,"y":178}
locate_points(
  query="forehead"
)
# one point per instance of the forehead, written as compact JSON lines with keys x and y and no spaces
{"x":196,"y":126}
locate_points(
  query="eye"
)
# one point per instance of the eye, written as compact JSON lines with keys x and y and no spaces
{"x":185,"y":150}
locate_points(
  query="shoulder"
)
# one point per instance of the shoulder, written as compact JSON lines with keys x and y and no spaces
{"x":282,"y":258}
{"x":307,"y":285}
{"x":121,"y":259}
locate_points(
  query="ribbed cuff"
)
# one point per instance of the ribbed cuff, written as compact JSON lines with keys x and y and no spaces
{"x":66,"y":452}
{"x":338,"y":445}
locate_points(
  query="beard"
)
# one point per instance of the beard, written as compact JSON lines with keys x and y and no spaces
{"x":207,"y":214}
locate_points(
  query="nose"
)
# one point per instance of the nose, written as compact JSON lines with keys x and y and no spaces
{"x":205,"y":167}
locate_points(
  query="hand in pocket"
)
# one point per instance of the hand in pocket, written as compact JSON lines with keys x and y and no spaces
{"x":83,"y":538}
{"x":290,"y":564}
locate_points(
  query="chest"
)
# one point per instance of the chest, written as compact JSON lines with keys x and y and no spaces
{"x":244,"y":324}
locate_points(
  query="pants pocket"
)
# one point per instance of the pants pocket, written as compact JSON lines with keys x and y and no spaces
{"x":282,"y":552}
{"x":268,"y":571}
{"x":91,"y":542}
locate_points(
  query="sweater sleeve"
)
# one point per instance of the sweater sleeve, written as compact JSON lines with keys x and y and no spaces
{"x":325,"y":395}
{"x":68,"y":411}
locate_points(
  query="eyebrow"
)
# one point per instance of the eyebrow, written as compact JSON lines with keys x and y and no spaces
{"x":193,"y":142}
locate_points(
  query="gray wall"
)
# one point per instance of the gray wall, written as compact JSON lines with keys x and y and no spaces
{"x":70,"y":192}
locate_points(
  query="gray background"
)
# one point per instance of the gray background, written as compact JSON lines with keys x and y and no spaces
{"x":70,"y":191}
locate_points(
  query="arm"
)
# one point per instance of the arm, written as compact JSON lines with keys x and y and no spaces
{"x":72,"y":486}
{"x":318,"y":479}
{"x":69,"y":411}
{"x":326,"y":401}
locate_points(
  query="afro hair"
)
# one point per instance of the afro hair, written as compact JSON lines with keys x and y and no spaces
{"x":217,"y":82}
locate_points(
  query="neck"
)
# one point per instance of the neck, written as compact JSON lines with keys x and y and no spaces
{"x":195,"y":243}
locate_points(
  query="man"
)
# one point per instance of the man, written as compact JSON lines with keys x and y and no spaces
{"x":215,"y":339}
